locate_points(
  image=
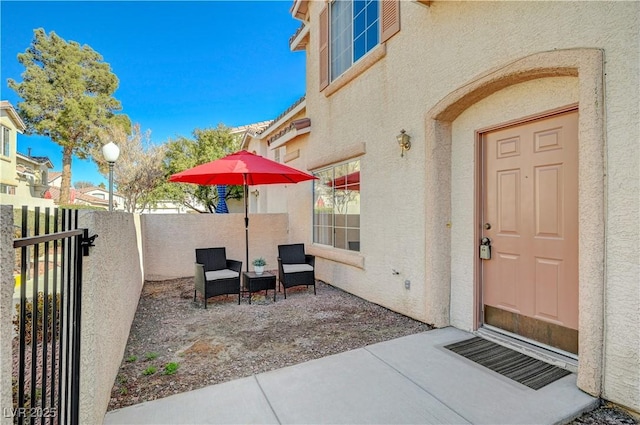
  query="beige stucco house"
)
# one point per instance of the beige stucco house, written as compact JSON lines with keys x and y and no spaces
{"x":23,"y":178}
{"x":283,"y":140}
{"x":32,"y":173}
{"x":523,"y":125}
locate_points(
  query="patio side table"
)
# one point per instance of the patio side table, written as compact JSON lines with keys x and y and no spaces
{"x":254,"y":283}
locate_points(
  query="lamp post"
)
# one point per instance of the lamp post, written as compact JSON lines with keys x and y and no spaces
{"x":111,"y":152}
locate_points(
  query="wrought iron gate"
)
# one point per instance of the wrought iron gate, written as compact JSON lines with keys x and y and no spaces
{"x":46,"y":343}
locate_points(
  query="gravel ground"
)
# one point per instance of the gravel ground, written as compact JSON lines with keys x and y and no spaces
{"x":607,"y":414}
{"x":229,"y":341}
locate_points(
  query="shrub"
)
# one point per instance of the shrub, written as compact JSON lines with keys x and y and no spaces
{"x":171,"y":368}
{"x":151,"y":356}
{"x":150,"y":370}
{"x":28,"y":320}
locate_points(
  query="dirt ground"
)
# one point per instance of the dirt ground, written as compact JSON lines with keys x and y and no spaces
{"x":228,"y":341}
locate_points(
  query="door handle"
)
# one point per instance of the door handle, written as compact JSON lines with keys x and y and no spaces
{"x":487,"y":226}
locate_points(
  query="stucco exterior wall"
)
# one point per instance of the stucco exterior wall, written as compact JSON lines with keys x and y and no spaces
{"x":299,"y":197}
{"x":18,"y":201}
{"x":169,"y":240}
{"x":112,"y":282}
{"x":7,"y":261}
{"x":411,"y":206}
{"x":8,"y":163}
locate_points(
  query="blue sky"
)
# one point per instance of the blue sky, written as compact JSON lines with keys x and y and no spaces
{"x":182,"y":65}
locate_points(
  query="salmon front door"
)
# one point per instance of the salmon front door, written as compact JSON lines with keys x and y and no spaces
{"x":530,"y":215}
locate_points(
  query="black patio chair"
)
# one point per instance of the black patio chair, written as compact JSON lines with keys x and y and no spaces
{"x":215,"y":274}
{"x":295,"y":267}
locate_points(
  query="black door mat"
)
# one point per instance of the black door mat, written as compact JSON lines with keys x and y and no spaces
{"x":521,"y":368}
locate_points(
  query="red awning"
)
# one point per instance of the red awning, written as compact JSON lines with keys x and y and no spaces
{"x":348,"y":182}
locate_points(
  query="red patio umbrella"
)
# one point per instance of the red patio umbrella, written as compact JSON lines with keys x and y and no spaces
{"x":241,"y":168}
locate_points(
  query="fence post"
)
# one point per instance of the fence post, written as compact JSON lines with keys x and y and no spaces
{"x":7,"y":262}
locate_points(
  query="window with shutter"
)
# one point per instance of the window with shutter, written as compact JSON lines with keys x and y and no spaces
{"x":390,"y":19}
{"x":349,"y":29}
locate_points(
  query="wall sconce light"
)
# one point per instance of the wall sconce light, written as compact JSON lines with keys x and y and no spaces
{"x":255,"y":193}
{"x":404,"y":140}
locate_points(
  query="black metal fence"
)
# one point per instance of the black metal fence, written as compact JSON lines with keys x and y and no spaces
{"x":47,"y":298}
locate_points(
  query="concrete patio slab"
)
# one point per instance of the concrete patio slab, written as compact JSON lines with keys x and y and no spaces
{"x":405,"y":380}
{"x":233,"y":402}
{"x":352,"y":387}
{"x":476,"y":393}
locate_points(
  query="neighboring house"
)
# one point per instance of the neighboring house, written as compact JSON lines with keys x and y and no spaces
{"x":166,"y":207}
{"x":257,"y":127}
{"x":103,"y":195}
{"x":23,"y":178}
{"x":55,"y":178}
{"x":77,"y":198}
{"x":282,"y":141}
{"x":32,"y":173}
{"x":93,"y":196}
{"x":523,"y":123}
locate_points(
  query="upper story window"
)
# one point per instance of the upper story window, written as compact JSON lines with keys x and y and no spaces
{"x":349,"y":29}
{"x":5,"y":143}
{"x":354,"y":31}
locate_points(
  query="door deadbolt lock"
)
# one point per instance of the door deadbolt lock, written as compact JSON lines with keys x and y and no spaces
{"x":487,"y":226}
{"x":485,"y":249}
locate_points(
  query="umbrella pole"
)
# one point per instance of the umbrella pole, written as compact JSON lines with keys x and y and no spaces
{"x":246,"y":221}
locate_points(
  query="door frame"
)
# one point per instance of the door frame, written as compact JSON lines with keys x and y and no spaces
{"x":479,"y":197}
{"x":587,"y":66}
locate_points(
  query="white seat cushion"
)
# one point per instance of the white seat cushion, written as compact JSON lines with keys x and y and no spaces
{"x":295,"y":268}
{"x":221,"y":274}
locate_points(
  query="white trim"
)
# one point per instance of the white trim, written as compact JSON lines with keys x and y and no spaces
{"x":288,"y":137}
{"x":296,"y":41}
{"x":299,"y":107}
{"x":13,"y":115}
{"x":294,"y":11}
{"x":338,"y":255}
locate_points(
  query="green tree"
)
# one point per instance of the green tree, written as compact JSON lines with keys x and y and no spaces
{"x":68,"y":96}
{"x":183,"y":153}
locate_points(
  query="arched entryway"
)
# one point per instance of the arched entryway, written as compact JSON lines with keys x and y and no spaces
{"x":585,"y":65}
